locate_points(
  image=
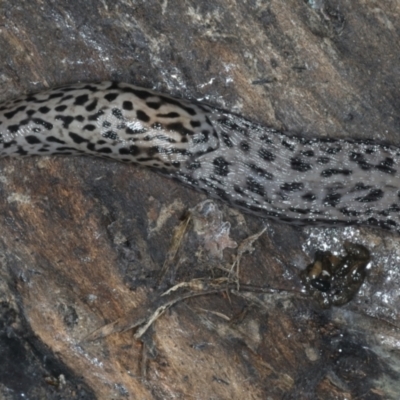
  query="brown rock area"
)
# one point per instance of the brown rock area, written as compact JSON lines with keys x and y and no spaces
{"x":83,"y":241}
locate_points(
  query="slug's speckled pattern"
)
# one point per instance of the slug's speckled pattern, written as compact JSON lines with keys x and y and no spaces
{"x":290,"y":178}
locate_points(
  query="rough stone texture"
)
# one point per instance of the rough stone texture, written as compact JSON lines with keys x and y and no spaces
{"x":82,"y":241}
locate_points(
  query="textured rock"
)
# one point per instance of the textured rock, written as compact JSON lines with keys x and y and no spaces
{"x":82,"y":241}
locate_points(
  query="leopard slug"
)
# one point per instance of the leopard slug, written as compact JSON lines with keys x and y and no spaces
{"x":256,"y":168}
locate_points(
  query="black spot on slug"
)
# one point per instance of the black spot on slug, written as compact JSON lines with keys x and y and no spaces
{"x":140,"y":93}
{"x":92,"y":106}
{"x":32,"y":139}
{"x":42,"y":122}
{"x":61,"y":108}
{"x":260,"y":172}
{"x":21,"y":151}
{"x":155,"y":105}
{"x":360,"y":160}
{"x":288,"y":145}
{"x":96,"y":116}
{"x":299,"y":165}
{"x":178,"y":127}
{"x":266,"y":155}
{"x":226,"y":139}
{"x":370,"y":150}
{"x":64,"y":149}
{"x":244,"y":146}
{"x":332,"y":199}
{"x":91,"y":88}
{"x":360,"y":186}
{"x":297,"y":210}
{"x":110,"y":135}
{"x":373,"y":195}
{"x":266,"y":139}
{"x":44,"y":109}
{"x":326,"y":173}
{"x":333,"y":150}
{"x":254,"y":186}
{"x":66,"y":119}
{"x":178,"y":103}
{"x":13,"y":128}
{"x":52,"y":96}
{"x":195,"y":124}
{"x":323,"y":160}
{"x":171,"y":114}
{"x":81,"y":100}
{"x":77,"y":138}
{"x":386,"y":166}
{"x":53,"y":139}
{"x":238,"y":189}
{"x":194,"y":165}
{"x":104,"y":150}
{"x":308,"y":153}
{"x":221,"y":194}
{"x":64,"y":98}
{"x":394,"y":207}
{"x":111,"y":96}
{"x":309,"y":196}
{"x":292,"y":187}
{"x":221,"y":166}
{"x":142,"y":116}
{"x":348,"y":212}
{"x":131,"y":131}
{"x":9,"y":144}
{"x":116,"y":112}
{"x":11,"y":114}
{"x":132,"y":150}
{"x":127,"y":105}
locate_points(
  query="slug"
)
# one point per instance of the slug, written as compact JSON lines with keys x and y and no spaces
{"x":258,"y":169}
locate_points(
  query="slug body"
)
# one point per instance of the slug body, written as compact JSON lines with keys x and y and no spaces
{"x":258,"y":169}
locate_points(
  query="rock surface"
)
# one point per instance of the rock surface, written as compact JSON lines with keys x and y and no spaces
{"x":83,"y":241}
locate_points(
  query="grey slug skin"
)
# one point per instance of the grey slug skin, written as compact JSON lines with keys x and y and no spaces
{"x":258,"y":169}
